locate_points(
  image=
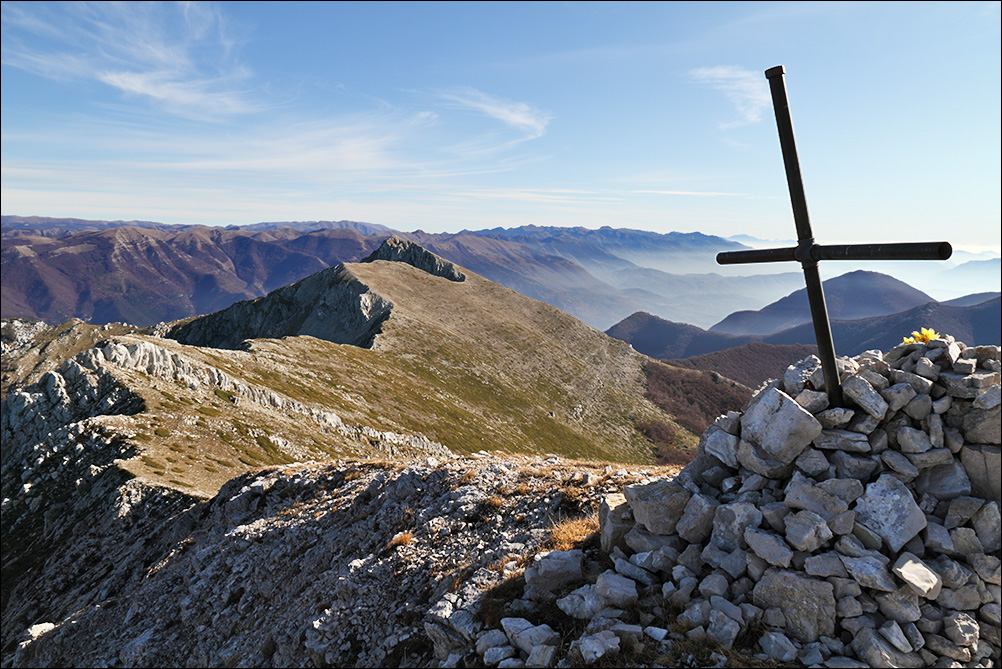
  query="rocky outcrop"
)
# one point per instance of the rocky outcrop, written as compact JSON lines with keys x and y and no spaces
{"x":395,"y":249}
{"x":16,"y":332}
{"x":331,"y":304}
{"x":66,"y":504}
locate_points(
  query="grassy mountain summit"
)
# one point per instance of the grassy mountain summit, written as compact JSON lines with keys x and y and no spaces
{"x":377,"y":358}
{"x":467,"y":363}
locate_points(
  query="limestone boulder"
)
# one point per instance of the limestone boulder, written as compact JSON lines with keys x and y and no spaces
{"x":658,"y":505}
{"x":696,"y":522}
{"x":730,"y":522}
{"x":779,"y":426}
{"x":859,"y":391}
{"x":889,"y":509}
{"x":615,"y":519}
{"x":982,"y":464}
{"x":918,"y":575}
{"x":808,"y":604}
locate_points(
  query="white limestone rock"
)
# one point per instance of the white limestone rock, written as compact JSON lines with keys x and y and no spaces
{"x":859,"y":390}
{"x":917,"y":575}
{"x":888,"y":508}
{"x":658,"y":505}
{"x":729,"y":523}
{"x":616,"y":589}
{"x":807,"y":604}
{"x":778,"y":425}
{"x":696,"y":522}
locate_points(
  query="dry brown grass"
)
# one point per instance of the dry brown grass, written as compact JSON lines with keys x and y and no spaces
{"x":401,"y":539}
{"x":569,"y":534}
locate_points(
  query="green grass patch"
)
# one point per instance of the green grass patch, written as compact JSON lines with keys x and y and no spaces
{"x":225,"y":395}
{"x":209,"y":411}
{"x":161,"y":432}
{"x":153,"y":463}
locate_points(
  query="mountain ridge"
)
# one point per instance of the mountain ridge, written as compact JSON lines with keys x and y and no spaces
{"x":850,"y":296}
{"x":980,"y":323}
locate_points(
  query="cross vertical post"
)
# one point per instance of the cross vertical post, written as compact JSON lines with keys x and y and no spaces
{"x":805,"y":237}
{"x":808,"y":253}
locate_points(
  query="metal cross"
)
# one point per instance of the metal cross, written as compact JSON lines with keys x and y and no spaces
{"x":808,"y":253}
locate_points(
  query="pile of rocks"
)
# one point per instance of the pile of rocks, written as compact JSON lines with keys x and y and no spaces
{"x":866,"y":535}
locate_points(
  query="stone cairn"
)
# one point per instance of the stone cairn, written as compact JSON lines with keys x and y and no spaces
{"x":841,"y":537}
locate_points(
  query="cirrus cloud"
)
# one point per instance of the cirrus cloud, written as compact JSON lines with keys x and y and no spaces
{"x":747,"y":90}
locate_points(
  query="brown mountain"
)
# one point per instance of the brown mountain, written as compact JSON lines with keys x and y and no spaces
{"x":143,"y":275}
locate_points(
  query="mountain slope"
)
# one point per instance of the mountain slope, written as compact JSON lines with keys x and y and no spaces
{"x":451,"y":366}
{"x":469,"y":363}
{"x":980,"y":324}
{"x":133,"y":430}
{"x":970,"y":300}
{"x":663,"y":339}
{"x":850,"y":296}
{"x":750,"y":364}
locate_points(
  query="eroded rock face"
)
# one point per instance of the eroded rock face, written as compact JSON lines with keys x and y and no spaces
{"x":398,"y":250}
{"x":332,"y":305}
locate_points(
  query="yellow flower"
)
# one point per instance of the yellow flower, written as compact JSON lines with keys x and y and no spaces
{"x":924,"y":336}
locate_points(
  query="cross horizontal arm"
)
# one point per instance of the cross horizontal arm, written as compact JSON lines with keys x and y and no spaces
{"x":902,"y":251}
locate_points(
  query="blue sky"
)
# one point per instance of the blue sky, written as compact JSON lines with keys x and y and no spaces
{"x":445,"y":116}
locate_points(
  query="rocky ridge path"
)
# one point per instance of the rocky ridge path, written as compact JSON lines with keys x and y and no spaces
{"x":356,"y":563}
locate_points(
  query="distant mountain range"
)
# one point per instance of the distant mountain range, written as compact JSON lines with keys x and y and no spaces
{"x":974,"y":325}
{"x":144,"y":275}
{"x":144,"y":272}
{"x":964,"y":272}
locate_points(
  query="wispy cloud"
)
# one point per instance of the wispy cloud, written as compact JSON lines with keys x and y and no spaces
{"x":689,"y":193}
{"x":519,"y":115}
{"x":746,"y":89}
{"x":179,"y":56}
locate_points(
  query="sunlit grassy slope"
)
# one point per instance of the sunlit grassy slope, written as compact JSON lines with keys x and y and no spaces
{"x":471,"y":365}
